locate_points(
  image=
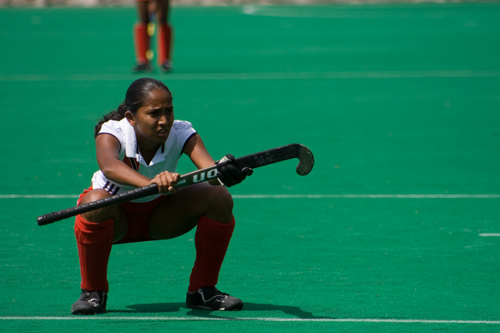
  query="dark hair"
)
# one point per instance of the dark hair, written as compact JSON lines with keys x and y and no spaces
{"x":137,"y":92}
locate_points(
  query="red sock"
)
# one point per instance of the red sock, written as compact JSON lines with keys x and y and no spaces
{"x":141,"y":39}
{"x":94,"y":242}
{"x":211,"y":241}
{"x":164,"y":42}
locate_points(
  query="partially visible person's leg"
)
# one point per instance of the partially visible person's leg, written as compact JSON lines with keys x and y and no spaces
{"x":164,"y":35}
{"x":141,"y":37}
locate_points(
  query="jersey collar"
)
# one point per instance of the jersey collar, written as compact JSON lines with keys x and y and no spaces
{"x":132,"y":149}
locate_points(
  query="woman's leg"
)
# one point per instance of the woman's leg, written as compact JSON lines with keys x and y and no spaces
{"x":95,"y":232}
{"x":210,"y":208}
{"x":181,"y":211}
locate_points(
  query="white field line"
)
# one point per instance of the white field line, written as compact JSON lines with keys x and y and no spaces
{"x":292,"y":196}
{"x":260,"y":76}
{"x":265,"y":319}
{"x":368,"y":196}
{"x":329,"y":12}
{"x":489,"y":235}
{"x":38,"y":196}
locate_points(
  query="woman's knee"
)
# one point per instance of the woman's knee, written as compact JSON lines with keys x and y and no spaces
{"x":221,"y":197}
{"x":101,"y":214}
{"x":221,"y":204}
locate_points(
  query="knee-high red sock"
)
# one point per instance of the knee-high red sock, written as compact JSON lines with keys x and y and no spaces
{"x":211,"y":241}
{"x":94,"y":242}
{"x":165,"y":34}
{"x":141,"y":42}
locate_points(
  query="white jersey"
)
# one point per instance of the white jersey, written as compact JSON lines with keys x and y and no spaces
{"x":165,"y":159}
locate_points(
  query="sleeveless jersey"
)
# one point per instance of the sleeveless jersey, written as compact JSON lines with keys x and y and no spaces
{"x":165,"y":159}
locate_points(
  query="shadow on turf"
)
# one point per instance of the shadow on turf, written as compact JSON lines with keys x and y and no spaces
{"x":175,"y":307}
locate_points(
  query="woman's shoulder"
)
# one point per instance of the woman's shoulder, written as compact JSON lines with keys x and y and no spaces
{"x":182,"y":124}
{"x":114,"y":126}
{"x":182,"y":127}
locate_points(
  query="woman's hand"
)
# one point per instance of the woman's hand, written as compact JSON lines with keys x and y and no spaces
{"x":229,"y":173}
{"x":166,"y":181}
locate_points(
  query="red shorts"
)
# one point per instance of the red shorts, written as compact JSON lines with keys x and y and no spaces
{"x":138,"y":216}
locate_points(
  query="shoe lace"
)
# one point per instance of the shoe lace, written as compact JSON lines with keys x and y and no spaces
{"x":212,"y":294}
{"x":89,"y":295}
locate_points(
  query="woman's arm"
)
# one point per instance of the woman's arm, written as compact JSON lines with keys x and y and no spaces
{"x":198,"y":153}
{"x":107,"y":151}
{"x":228,"y":174}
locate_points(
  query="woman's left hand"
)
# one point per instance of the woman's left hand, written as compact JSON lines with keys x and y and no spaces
{"x":229,"y":173}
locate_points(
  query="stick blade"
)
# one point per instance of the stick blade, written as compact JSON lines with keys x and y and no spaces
{"x":306,"y":161}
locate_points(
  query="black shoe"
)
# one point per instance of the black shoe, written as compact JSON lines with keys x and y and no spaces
{"x":166,"y":67}
{"x":142,"y":68}
{"x":209,"y":298}
{"x":90,"y":302}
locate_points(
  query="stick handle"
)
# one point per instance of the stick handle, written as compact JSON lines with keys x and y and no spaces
{"x":295,"y":150}
{"x":113,"y":200}
{"x":191,"y":178}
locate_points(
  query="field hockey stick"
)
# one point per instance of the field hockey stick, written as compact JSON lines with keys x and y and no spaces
{"x":295,"y":150}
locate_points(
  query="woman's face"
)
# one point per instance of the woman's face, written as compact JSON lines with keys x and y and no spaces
{"x":153,"y":120}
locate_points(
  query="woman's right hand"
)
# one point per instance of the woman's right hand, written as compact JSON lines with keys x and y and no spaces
{"x":166,"y":182}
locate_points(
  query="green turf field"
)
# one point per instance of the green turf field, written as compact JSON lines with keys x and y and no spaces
{"x":395,"y":230}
